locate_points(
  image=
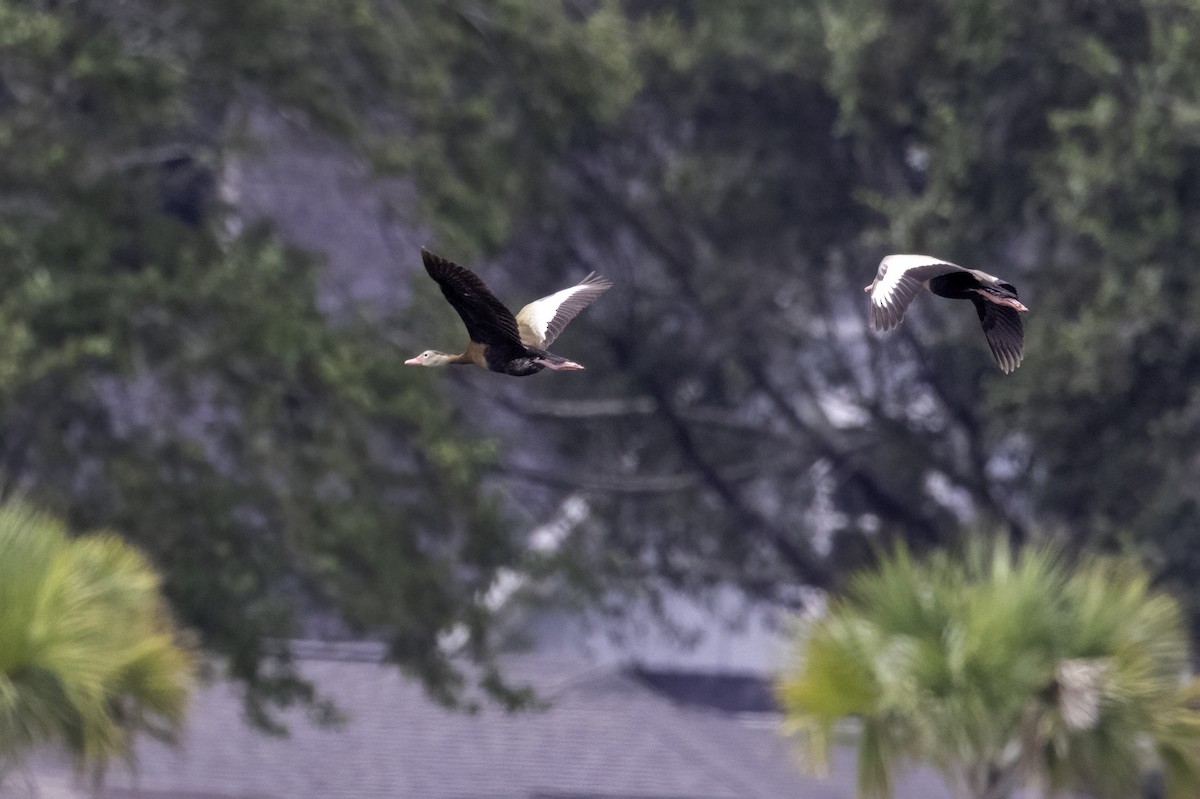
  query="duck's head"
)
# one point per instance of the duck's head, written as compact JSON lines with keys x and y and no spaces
{"x":429,"y":358}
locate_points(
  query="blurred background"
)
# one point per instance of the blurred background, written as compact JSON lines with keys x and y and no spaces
{"x":210,"y":222}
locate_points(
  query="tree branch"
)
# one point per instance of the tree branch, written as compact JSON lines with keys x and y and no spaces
{"x":800,"y":557}
{"x":888,"y":504}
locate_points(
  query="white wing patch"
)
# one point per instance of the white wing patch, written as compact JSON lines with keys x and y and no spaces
{"x":540,"y":322}
{"x":899,"y":279}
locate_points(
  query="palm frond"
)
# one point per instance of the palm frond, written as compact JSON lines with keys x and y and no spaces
{"x":88,"y":653}
{"x":1004,"y":662}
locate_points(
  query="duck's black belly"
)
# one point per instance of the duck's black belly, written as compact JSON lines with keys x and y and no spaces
{"x":956,"y":285}
{"x":520,"y":367}
{"x":511,"y":361}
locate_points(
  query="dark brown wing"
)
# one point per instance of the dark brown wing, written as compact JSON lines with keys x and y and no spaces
{"x":487,"y":320}
{"x":1004,"y":331}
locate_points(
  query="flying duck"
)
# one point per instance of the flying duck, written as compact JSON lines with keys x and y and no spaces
{"x":901,"y":277}
{"x":501,"y":342}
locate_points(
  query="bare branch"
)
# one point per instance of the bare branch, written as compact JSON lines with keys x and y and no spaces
{"x":609,"y":483}
{"x":28,"y":206}
{"x":804,"y":562}
{"x":584,"y":409}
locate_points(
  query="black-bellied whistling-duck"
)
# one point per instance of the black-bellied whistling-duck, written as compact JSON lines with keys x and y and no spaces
{"x":513,"y":345}
{"x":901,"y":277}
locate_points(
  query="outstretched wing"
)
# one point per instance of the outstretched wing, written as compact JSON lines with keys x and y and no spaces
{"x":540,"y":322}
{"x":1004,"y":331}
{"x":899,"y":280}
{"x":487,"y":320}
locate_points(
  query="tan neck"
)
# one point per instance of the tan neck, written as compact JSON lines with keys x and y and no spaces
{"x":476,"y":353}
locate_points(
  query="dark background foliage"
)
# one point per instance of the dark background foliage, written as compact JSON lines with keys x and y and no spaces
{"x":737,"y":169}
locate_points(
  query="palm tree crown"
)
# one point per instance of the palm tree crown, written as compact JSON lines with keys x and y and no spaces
{"x":1003,"y":669}
{"x":88,"y":653}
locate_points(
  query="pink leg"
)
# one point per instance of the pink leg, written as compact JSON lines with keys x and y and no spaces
{"x":560,"y":366}
{"x":1009,"y":301}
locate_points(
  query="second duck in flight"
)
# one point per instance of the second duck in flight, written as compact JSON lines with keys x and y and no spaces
{"x":501,"y":342}
{"x":901,"y":277}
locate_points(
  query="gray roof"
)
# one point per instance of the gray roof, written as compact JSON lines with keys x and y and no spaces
{"x":605,"y":735}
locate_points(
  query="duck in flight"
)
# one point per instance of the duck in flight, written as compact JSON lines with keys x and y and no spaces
{"x":501,"y":342}
{"x":901,"y":277}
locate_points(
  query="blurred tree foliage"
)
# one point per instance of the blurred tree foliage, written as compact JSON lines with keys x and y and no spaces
{"x":738,"y":169}
{"x":164,"y":377}
{"x":740,"y":175}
